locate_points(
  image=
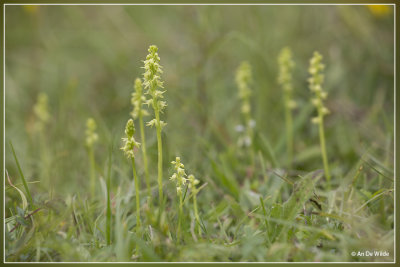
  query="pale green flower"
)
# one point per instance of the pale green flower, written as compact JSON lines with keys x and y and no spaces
{"x":179,"y":177}
{"x":91,"y":135}
{"x":41,"y":110}
{"x":129,"y":141}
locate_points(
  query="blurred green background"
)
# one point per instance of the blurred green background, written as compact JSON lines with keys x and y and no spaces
{"x":87,"y":57}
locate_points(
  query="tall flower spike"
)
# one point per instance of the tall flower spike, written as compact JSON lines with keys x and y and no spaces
{"x":41,"y":110}
{"x":315,"y":82}
{"x":138,"y":112}
{"x":128,"y":148}
{"x":152,"y":83}
{"x":179,"y":177}
{"x":286,"y":65}
{"x":193,"y":182}
{"x":91,"y":135}
{"x":243,"y":80}
{"x":129,"y":142}
{"x":137,"y":100}
{"x":152,"y":79}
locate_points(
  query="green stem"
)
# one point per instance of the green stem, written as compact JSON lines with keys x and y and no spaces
{"x":108,"y":212}
{"x":289,"y":130}
{"x":137,"y":196}
{"x":92,"y":172}
{"x":159,"y":145}
{"x":44,"y":161}
{"x":196,"y":214}
{"x":323,"y":149}
{"x":146,"y":169}
{"x":137,"y":202}
{"x":180,"y":216}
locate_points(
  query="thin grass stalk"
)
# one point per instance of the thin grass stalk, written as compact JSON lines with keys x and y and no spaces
{"x":196,"y":213}
{"x":92,"y":172}
{"x":289,"y":133}
{"x":323,"y":150}
{"x":22,"y":177}
{"x":108,"y":212}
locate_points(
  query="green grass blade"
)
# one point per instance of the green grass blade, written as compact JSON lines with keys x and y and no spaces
{"x":22,"y":177}
{"x":302,"y":191}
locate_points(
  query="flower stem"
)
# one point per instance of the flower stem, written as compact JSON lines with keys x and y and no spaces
{"x":289,"y":131}
{"x":137,"y":193}
{"x":108,"y":211}
{"x":146,"y":169}
{"x":323,"y":149}
{"x":196,"y":214}
{"x":137,"y":201}
{"x":92,"y":172}
{"x":159,"y":145}
{"x":180,"y":216}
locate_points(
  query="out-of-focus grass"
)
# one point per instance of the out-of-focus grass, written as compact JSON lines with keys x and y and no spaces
{"x":86,"y":59}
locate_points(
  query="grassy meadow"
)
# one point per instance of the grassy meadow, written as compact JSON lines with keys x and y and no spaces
{"x":278,"y":121}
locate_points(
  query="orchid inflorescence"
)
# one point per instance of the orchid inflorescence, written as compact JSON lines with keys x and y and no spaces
{"x":41,"y":110}
{"x":179,"y":177}
{"x":137,"y":100}
{"x":315,"y":83}
{"x":129,"y":141}
{"x":152,"y":81}
{"x":91,"y":135}
{"x":286,"y":65}
{"x":243,"y":81}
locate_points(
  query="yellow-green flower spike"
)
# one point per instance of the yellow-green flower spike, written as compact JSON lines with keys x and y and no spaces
{"x":152,"y":83}
{"x":91,"y":135}
{"x":179,"y":177}
{"x":129,"y":142}
{"x":138,"y":112}
{"x":152,"y":79}
{"x":315,"y":83}
{"x":41,"y":110}
{"x":286,"y":65}
{"x":137,"y":100}
{"x":243,"y":81}
{"x":192,"y":183}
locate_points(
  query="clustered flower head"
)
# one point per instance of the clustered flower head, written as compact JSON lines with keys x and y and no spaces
{"x":179,"y":177}
{"x":91,"y":135}
{"x":129,"y":140}
{"x":286,"y":65}
{"x":41,"y":110}
{"x":152,"y":81}
{"x":138,"y":100}
{"x":192,"y":183}
{"x":315,"y":83}
{"x":243,"y":81}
